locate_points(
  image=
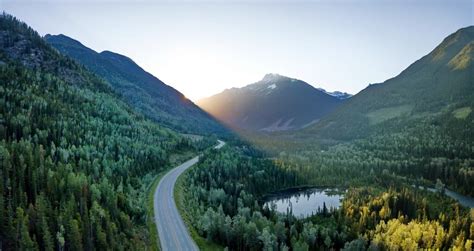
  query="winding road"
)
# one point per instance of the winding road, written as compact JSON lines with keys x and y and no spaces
{"x":172,"y":231}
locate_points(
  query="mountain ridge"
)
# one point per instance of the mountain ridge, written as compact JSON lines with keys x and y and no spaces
{"x":145,"y":92}
{"x":72,"y":150}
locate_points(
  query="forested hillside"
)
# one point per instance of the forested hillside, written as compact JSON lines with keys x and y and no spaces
{"x":146,"y":93}
{"x":76,"y":161}
{"x":439,"y":83}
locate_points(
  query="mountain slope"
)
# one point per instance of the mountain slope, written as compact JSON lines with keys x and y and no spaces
{"x":275,"y":103}
{"x":418,"y":125}
{"x":437,"y":84}
{"x":143,"y":91}
{"x":76,"y":161}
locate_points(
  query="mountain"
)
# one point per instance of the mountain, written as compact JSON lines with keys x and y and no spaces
{"x":76,"y":161}
{"x":275,"y":103}
{"x":146,"y":93}
{"x":418,"y":125}
{"x":439,"y":84}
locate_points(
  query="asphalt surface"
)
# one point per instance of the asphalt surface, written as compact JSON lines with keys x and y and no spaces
{"x":172,"y":231}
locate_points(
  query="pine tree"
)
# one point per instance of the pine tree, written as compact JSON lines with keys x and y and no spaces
{"x":74,"y":236}
{"x":24,"y":241}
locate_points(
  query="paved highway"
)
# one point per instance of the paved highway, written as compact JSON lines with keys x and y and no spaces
{"x":172,"y":231}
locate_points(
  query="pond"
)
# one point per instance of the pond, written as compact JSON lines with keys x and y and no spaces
{"x":304,"y":202}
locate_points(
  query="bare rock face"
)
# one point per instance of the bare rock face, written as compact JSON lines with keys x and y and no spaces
{"x":19,"y":47}
{"x":33,"y":53}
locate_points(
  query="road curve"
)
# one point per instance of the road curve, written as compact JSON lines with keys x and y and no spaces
{"x":172,"y":231}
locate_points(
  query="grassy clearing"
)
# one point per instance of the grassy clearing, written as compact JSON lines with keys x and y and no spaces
{"x":384,"y":114}
{"x":463,"y":59}
{"x":462,"y":113}
{"x":179,"y":191}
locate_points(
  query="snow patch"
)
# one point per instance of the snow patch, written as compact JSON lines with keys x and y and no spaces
{"x":337,"y":94}
{"x":272,"y":86}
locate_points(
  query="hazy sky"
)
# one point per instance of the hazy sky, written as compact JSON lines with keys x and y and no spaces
{"x":203,"y":47}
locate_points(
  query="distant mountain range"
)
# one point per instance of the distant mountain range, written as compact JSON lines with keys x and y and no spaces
{"x":337,"y":94}
{"x":146,"y":93}
{"x":275,"y":103}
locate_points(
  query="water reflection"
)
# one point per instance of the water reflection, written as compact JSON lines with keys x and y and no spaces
{"x":305,"y":203}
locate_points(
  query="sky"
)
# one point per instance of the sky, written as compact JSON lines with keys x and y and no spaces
{"x":203,"y":47}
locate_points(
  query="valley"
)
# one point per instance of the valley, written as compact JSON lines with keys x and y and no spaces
{"x":407,"y":130}
{"x":97,"y":153}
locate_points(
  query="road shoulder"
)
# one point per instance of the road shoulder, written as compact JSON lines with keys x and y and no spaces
{"x":151,"y":223}
{"x":179,"y":196}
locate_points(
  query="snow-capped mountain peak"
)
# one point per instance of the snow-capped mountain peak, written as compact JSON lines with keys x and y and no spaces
{"x":337,"y":94}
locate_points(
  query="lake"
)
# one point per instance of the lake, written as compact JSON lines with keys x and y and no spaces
{"x":306,"y":202}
